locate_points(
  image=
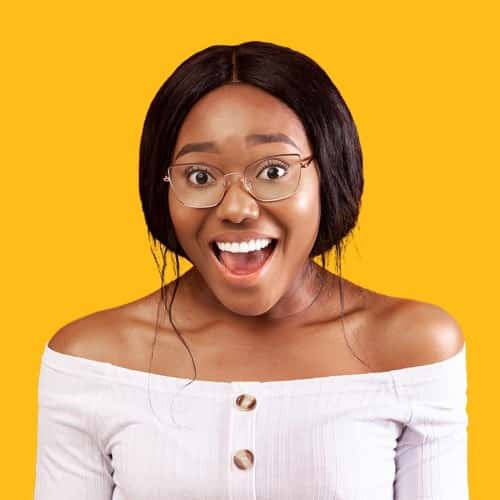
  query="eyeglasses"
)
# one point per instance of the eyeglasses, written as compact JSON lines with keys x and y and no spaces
{"x":199,"y":185}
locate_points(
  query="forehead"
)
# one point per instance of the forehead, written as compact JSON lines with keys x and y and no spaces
{"x":229,"y":113}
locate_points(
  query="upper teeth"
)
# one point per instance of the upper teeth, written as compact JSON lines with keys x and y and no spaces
{"x":243,"y":246}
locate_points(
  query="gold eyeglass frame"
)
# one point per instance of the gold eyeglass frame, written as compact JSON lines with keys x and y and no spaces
{"x":304,"y":163}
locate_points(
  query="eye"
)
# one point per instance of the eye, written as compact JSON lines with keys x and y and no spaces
{"x":198,"y":175}
{"x":274,"y":170}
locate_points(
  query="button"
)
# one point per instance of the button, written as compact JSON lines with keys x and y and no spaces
{"x":246,"y":402}
{"x":243,"y":459}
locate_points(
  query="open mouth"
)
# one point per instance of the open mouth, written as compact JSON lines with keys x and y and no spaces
{"x":244,"y":263}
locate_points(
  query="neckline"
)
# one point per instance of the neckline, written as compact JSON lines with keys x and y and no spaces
{"x":402,"y":376}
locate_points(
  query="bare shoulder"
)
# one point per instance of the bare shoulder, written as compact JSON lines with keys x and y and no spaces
{"x":411,"y":333}
{"x":89,"y":337}
{"x":106,"y":335}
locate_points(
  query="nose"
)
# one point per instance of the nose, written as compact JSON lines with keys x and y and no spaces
{"x":237,"y":203}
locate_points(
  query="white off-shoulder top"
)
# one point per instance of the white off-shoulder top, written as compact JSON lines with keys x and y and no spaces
{"x":107,"y":432}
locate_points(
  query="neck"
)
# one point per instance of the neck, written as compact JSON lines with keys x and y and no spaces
{"x":299,"y":300}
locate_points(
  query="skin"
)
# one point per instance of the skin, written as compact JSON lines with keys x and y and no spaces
{"x":225,"y":116}
{"x":280,"y":328}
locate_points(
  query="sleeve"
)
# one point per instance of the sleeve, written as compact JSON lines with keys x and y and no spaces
{"x":431,"y":452}
{"x":70,"y":464}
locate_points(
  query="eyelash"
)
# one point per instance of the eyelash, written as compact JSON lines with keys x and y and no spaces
{"x":269,"y":163}
{"x":196,"y":168}
{"x":273,"y":163}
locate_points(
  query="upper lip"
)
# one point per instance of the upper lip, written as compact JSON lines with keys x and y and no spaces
{"x":237,"y":237}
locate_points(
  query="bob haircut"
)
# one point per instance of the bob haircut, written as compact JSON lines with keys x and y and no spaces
{"x":288,"y":75}
{"x":300,"y":83}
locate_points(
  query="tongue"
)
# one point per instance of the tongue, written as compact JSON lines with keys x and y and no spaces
{"x":245,"y":263}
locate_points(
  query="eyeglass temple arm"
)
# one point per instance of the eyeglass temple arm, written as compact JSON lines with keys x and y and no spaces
{"x":306,"y":161}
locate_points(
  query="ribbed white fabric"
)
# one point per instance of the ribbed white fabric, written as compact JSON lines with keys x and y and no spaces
{"x":394,"y":435}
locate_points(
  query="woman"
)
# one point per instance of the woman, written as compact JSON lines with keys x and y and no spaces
{"x":306,"y":385}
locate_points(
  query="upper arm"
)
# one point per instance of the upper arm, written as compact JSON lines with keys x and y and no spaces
{"x":70,"y":459}
{"x":431,"y":452}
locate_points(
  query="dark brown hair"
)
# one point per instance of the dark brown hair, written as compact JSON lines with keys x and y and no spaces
{"x":296,"y":80}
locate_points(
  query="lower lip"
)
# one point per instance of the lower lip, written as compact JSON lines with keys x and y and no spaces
{"x":244,"y":280}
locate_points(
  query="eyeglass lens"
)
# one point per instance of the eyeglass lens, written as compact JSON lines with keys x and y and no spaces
{"x":269,"y":179}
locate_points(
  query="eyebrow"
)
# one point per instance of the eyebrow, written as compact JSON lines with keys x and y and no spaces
{"x":251,"y":139}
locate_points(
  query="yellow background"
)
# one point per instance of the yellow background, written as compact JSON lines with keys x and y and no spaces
{"x":77,"y":78}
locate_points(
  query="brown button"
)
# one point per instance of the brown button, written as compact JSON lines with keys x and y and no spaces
{"x":243,"y":459}
{"x":246,"y":402}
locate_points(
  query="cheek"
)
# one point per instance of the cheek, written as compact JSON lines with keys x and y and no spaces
{"x":307,"y":206}
{"x":301,"y":217}
{"x":306,"y":215}
{"x":175,"y":213}
{"x":185,"y":222}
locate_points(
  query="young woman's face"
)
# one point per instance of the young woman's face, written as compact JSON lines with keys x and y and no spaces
{"x":225,"y":117}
